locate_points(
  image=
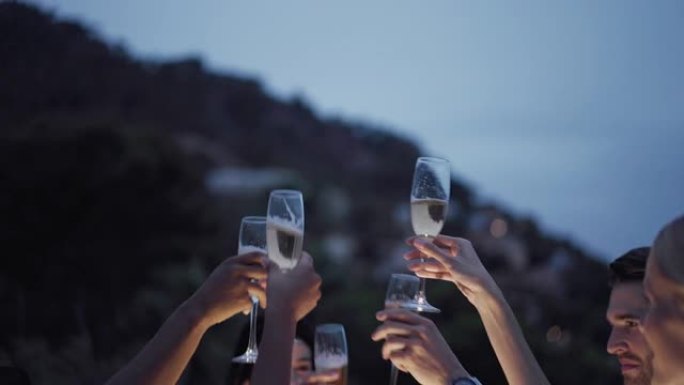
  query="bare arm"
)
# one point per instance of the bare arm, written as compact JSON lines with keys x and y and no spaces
{"x":455,"y":260}
{"x":226,"y":292}
{"x":511,"y":348}
{"x":166,"y":355}
{"x":291,"y":296}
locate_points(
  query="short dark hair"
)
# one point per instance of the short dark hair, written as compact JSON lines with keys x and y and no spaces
{"x":630,"y":267}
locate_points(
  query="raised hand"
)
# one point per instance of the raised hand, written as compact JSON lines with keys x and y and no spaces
{"x":224,"y":293}
{"x":414,"y":345}
{"x":454,"y":259}
{"x":451,"y":259}
{"x":298,"y":289}
{"x":228,"y":288}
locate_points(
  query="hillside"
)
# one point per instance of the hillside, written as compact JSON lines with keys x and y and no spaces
{"x":123,"y":182}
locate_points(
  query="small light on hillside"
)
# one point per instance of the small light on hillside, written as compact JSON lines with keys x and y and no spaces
{"x":498,"y":228}
{"x":554,"y":334}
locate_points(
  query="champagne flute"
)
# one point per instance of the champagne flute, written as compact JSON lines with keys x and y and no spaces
{"x":429,"y":204}
{"x":330,"y":350}
{"x":285,"y":228}
{"x":252,"y":238}
{"x":402,"y":292}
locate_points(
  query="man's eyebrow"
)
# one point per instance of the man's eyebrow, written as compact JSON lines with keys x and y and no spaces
{"x":622,"y":317}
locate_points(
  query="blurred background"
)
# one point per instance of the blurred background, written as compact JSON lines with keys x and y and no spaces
{"x":136,"y":134}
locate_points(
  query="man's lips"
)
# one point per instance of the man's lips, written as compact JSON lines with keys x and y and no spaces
{"x":627,"y":364}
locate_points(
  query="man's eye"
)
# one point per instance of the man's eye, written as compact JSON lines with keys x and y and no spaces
{"x":631,"y":323}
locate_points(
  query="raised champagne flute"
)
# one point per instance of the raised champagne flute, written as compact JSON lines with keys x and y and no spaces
{"x":429,"y":205}
{"x":285,"y":228}
{"x":402,"y":292}
{"x":252,"y":238}
{"x":330,"y":351}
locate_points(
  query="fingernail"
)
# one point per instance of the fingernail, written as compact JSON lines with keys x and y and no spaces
{"x":380,"y":316}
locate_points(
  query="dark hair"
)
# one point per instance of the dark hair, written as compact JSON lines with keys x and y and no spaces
{"x":630,"y":267}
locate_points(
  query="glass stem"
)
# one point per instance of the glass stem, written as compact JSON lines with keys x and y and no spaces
{"x":422,"y":298}
{"x":394,"y":374}
{"x":252,"y":344}
{"x":421,"y":292}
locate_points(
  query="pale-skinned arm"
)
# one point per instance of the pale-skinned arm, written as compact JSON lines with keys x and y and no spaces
{"x":455,"y":260}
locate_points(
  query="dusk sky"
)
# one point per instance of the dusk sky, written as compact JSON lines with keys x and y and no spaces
{"x":569,"y":111}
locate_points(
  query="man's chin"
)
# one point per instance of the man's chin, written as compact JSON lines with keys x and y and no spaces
{"x":636,"y":378}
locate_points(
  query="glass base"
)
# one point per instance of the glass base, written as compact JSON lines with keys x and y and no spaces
{"x":249,"y":357}
{"x":421,"y":305}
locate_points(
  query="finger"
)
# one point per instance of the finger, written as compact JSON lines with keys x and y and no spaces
{"x":430,"y":275}
{"x":252,"y":272}
{"x":448,"y":241}
{"x":305,"y":260}
{"x":318,"y":281}
{"x":413,"y":254}
{"x":431,"y":250}
{"x":395,"y":343}
{"x":426,"y":265}
{"x":402,"y":359}
{"x":255,"y":290}
{"x":409,"y":241}
{"x":416,"y":254}
{"x":389,"y":328}
{"x":251,"y":258}
{"x":400,"y":315}
{"x":454,"y":244}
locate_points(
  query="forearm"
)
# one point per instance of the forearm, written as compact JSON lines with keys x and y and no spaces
{"x":166,"y":355}
{"x":273,"y":366}
{"x":514,"y":354}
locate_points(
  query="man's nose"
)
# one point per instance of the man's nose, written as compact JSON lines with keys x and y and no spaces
{"x":616,"y":342}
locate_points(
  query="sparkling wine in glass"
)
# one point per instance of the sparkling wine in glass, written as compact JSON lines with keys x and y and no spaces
{"x":402,"y":292}
{"x":330,"y":350}
{"x":429,"y":205}
{"x":285,"y":228}
{"x":252,"y":238}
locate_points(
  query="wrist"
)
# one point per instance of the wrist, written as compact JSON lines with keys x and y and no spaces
{"x":453,"y":371}
{"x":195,"y":315}
{"x":488,"y":298}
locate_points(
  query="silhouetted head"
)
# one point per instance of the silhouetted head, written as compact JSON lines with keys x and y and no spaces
{"x":663,"y":325}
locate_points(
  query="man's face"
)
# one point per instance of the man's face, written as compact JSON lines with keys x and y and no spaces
{"x":625,"y":309}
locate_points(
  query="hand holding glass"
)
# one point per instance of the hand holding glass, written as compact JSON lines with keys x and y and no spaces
{"x":402,"y":292}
